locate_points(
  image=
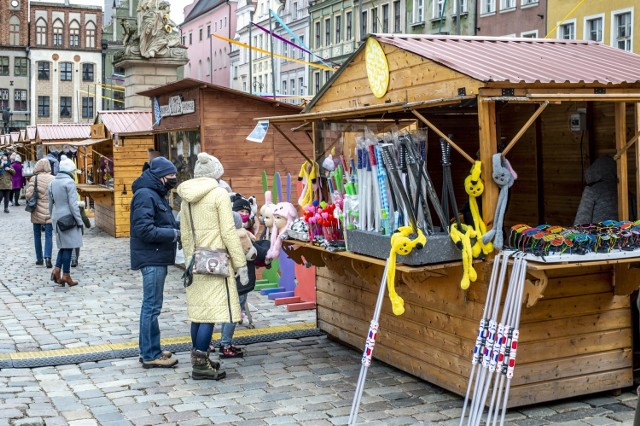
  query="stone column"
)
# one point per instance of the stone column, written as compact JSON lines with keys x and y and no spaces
{"x":143,"y":74}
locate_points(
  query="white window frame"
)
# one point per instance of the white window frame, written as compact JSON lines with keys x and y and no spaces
{"x":528,"y":3}
{"x":614,"y":14}
{"x":485,"y":9}
{"x":438,"y":9}
{"x":465,"y":7}
{"x":587,"y":19}
{"x":418,"y":11}
{"x":505,"y":8}
{"x":565,"y":24}
{"x":528,"y":34}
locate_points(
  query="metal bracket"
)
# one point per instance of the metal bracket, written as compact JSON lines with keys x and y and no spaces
{"x":508,"y":92}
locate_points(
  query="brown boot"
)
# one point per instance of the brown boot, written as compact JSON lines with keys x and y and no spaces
{"x":56,"y":275}
{"x":66,"y":279}
{"x":204,"y":368}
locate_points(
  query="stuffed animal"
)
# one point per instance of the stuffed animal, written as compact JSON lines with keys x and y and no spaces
{"x":403,"y":245}
{"x":246,"y":238}
{"x":504,"y":177}
{"x":255,"y":223}
{"x":462,"y":238}
{"x":266,"y":216}
{"x":474,"y":186}
{"x":283,"y":216}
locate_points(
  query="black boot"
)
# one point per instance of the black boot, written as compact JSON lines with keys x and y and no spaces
{"x":48,"y":262}
{"x":204,"y":368}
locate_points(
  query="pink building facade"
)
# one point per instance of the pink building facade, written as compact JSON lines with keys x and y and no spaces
{"x":208,"y":55}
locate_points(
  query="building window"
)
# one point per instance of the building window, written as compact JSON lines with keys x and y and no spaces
{"x":87,"y":107}
{"x":593,"y":28}
{"x":327,"y":76}
{"x":87,"y":72}
{"x":507,"y":4}
{"x":396,"y":17}
{"x":487,"y":6}
{"x":43,"y":106}
{"x":4,"y":99}
{"x":318,"y":37}
{"x":300,"y":51}
{"x":66,"y":69}
{"x":284,"y":87}
{"x":622,"y":30}
{"x":438,"y":9}
{"x":294,"y":11}
{"x":20,"y":67}
{"x":567,"y":31}
{"x":301,"y":85}
{"x":190,"y":39}
{"x":348,"y":18}
{"x":293,"y":86}
{"x":529,"y":34}
{"x":285,"y":50}
{"x":528,"y":2}
{"x":385,"y":18}
{"x":41,"y":32}
{"x":43,"y":70}
{"x":338,"y":29}
{"x":418,"y":11}
{"x":4,"y":65}
{"x":200,"y":34}
{"x":74,"y":34}
{"x":65,"y":106}
{"x":208,"y":30}
{"x":14,"y":30}
{"x":90,"y":35}
{"x":316,"y":81}
{"x":58,"y":30}
{"x":364,"y":25}
{"x":327,"y":32}
{"x":374,"y":20}
{"x":19,"y":100}
{"x":463,"y":8}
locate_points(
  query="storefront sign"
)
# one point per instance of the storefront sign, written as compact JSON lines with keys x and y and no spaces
{"x":177,"y":107}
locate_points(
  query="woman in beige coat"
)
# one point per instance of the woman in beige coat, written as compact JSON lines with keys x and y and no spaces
{"x":210,"y":299}
{"x":40,"y":216}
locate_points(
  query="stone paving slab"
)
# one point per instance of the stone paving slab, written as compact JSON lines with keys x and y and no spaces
{"x":306,"y":381}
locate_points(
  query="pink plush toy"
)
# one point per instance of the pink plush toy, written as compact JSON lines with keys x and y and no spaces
{"x":283,"y":216}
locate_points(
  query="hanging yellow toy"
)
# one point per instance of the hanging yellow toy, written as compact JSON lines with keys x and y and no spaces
{"x":461,"y":237}
{"x":403,"y":245}
{"x":474,"y":186}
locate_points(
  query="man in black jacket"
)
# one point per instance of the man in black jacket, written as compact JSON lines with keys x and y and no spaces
{"x":154,"y":234}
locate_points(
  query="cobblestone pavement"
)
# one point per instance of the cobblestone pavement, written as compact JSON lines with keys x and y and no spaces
{"x":307,"y":381}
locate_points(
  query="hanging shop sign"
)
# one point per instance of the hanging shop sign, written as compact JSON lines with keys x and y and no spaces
{"x":377,"y":68}
{"x":177,"y":107}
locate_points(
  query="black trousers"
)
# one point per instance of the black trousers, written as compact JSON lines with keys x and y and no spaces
{"x":15,"y":196}
{"x":5,"y":194}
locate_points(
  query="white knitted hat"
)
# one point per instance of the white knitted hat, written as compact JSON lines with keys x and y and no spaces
{"x":67,"y":165}
{"x":208,"y":166}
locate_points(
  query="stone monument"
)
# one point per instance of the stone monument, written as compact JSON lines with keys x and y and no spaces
{"x":152,"y":52}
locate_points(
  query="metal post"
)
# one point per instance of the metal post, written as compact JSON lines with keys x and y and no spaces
{"x":273,"y":63}
{"x":210,"y":57}
{"x":250,"y":50}
{"x":459,"y":4}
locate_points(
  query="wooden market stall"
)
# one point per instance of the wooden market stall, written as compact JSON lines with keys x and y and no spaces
{"x":111,"y":160}
{"x":552,"y":107}
{"x":197,"y":116}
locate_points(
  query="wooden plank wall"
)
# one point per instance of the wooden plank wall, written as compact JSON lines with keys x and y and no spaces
{"x":577,"y":340}
{"x":105,"y":217}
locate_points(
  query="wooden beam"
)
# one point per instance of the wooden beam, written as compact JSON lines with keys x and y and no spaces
{"x":623,"y":178}
{"x":443,"y":136}
{"x":488,"y":147}
{"x":637,"y":161}
{"x":613,"y":97}
{"x":623,"y":150}
{"x":526,"y":126}
{"x":291,"y":142}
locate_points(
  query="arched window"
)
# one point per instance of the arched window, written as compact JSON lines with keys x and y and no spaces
{"x":221,"y":59}
{"x":224,"y":61}
{"x":90,"y":34}
{"x":208,"y":66}
{"x":215,"y":60}
{"x":41,"y":32}
{"x":14,"y":30}
{"x":58,"y":31}
{"x":200,"y":69}
{"x":74,"y":34}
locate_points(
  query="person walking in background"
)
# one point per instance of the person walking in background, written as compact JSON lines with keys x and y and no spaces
{"x":206,"y":221}
{"x":17,"y":180}
{"x":6,"y":172}
{"x":66,"y":220}
{"x":52,"y":156}
{"x":40,"y":217}
{"x":154,"y":237}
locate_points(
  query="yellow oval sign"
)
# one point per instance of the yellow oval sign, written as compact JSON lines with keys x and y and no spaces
{"x":377,"y":68}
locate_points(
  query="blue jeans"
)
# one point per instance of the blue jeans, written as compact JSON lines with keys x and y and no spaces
{"x":152,"y":287}
{"x":48,"y":240}
{"x":63,"y":260}
{"x":228,"y":328}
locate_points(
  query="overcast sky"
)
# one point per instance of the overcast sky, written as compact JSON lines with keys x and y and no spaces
{"x":177,"y":6}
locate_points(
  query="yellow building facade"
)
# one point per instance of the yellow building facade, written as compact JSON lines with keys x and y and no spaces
{"x":611,"y":22}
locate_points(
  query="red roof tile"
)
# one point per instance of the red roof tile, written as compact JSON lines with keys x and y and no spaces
{"x":49,"y":132}
{"x":130,"y":121}
{"x":31,"y":132}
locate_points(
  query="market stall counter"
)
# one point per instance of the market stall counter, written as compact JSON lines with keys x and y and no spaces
{"x":521,"y":101}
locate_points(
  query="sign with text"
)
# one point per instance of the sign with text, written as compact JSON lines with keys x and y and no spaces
{"x":259,"y":132}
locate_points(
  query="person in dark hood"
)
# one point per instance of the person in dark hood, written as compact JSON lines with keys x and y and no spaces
{"x":153,"y":241}
{"x":600,"y":197}
{"x":53,"y":162}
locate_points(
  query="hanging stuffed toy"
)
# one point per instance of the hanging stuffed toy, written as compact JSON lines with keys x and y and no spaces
{"x":266,"y":216}
{"x":461,"y":235}
{"x":403,"y":245}
{"x":283,"y":216}
{"x":504,"y":177}
{"x":474,"y":186}
{"x":309,"y":177}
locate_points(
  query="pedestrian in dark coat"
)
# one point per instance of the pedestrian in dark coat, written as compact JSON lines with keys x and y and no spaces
{"x":6,"y":172}
{"x":63,"y":201}
{"x":153,"y":241}
{"x":17,"y":180}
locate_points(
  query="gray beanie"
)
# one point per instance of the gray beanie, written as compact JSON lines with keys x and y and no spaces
{"x":208,"y":166}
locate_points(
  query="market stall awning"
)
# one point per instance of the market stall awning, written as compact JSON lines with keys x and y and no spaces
{"x":85,"y":142}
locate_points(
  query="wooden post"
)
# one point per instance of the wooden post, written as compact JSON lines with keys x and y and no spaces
{"x":623,"y":178}
{"x":488,"y":146}
{"x":637,"y":162}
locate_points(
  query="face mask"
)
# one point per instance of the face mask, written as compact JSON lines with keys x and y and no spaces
{"x":244,"y":217}
{"x":170,"y":183}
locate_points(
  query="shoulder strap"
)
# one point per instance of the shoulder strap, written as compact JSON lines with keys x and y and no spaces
{"x":193,"y":230}
{"x":35,"y":188}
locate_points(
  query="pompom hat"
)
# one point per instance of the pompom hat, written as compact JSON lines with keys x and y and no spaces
{"x":208,"y":166}
{"x":67,"y":165}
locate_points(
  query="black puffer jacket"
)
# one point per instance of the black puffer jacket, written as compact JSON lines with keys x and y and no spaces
{"x":600,"y":197}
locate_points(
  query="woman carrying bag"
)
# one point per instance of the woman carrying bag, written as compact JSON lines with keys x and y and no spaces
{"x":66,"y":220}
{"x":207,"y":229}
{"x":40,"y":217}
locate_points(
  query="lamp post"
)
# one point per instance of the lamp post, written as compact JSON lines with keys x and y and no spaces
{"x":252,"y":10}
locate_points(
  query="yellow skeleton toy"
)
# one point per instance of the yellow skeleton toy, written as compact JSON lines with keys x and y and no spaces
{"x":474,"y":186}
{"x":403,"y":245}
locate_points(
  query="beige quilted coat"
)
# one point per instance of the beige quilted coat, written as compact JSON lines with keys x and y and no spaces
{"x":210,"y":299}
{"x":42,"y":169}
